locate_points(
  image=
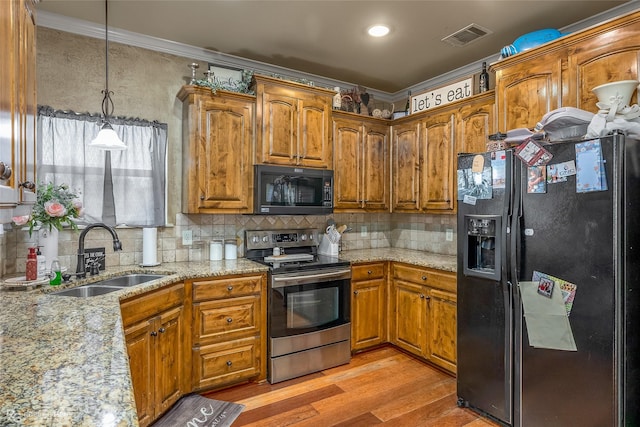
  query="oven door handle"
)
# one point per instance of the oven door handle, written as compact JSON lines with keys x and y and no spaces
{"x":283,"y":281}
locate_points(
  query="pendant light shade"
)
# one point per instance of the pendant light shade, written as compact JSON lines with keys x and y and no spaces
{"x":107,"y":138}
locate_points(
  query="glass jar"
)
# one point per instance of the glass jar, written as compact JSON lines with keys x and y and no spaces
{"x":230,"y":249}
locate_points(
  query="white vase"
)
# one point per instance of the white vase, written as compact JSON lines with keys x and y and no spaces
{"x":48,"y":242}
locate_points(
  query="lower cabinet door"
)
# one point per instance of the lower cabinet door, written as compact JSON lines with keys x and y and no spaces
{"x":442,"y":329}
{"x":226,"y":363}
{"x":140,"y":344}
{"x":368,"y":313}
{"x":409,"y":329}
{"x":169,"y":361}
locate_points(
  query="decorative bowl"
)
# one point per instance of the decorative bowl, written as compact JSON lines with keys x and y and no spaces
{"x":621,"y":91}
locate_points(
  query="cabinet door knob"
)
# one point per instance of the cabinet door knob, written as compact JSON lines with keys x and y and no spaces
{"x":154,"y":334}
{"x":201,"y":197}
{"x":229,"y":288}
{"x":229,"y":320}
{"x":29,"y":185}
{"x":229,"y":363}
{"x":161,"y":330}
{"x":428,"y":297}
{"x":355,"y":292}
{"x":424,"y":277}
{"x":421,"y":296}
{"x":5,"y":171}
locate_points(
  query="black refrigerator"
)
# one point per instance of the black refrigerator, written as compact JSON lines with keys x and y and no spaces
{"x":560,"y":234}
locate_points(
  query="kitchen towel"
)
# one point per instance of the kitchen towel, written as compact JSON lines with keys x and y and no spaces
{"x":195,"y":410}
{"x":149,"y":246}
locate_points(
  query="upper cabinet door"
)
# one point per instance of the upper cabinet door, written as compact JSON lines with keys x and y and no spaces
{"x":603,"y":57}
{"x":347,"y":137}
{"x":437,"y":141}
{"x":217,"y":151}
{"x":527,"y":90}
{"x":476,"y":121}
{"x":314,"y":142}
{"x":279,"y":142}
{"x":375,"y":178}
{"x":406,"y":167}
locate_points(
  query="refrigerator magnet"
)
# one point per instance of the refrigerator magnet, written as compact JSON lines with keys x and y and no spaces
{"x":532,"y":153}
{"x":590,"y":173}
{"x":553,"y":174}
{"x":545,"y":287}
{"x":537,"y":179}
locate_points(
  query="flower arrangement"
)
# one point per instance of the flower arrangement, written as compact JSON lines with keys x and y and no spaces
{"x":55,"y":206}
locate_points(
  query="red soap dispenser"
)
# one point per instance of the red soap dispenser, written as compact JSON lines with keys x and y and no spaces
{"x":31,"y":271}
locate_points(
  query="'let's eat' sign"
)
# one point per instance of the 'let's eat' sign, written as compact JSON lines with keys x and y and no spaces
{"x":442,"y":96}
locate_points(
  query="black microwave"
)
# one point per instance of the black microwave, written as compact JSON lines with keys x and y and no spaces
{"x":286,"y":190}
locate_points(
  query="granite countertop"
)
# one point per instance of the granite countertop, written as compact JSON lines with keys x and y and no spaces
{"x":64,"y":359}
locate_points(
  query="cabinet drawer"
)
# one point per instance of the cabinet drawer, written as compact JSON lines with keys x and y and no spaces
{"x":367,"y":271}
{"x":227,"y":287}
{"x":226,"y":363}
{"x":148,"y":305}
{"x":425,"y":276}
{"x":226,"y":319}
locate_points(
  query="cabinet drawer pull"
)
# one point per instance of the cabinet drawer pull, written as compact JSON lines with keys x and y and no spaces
{"x":229,"y":320}
{"x":369,"y":272}
{"x":154,"y":334}
{"x":229,"y":363}
{"x":229,"y":288}
{"x":29,"y":185}
{"x":424,"y":277}
{"x":161,"y":330}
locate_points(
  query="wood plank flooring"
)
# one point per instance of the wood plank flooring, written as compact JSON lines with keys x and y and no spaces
{"x":379,"y":387}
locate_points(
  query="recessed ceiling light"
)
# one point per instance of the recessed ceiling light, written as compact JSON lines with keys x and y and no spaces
{"x":378,"y":30}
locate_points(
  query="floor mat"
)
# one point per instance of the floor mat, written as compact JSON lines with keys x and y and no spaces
{"x":195,"y":410}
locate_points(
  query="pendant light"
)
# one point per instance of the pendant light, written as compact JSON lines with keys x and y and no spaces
{"x":107,"y":138}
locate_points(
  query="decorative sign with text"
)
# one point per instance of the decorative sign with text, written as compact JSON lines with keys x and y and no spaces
{"x":442,"y":96}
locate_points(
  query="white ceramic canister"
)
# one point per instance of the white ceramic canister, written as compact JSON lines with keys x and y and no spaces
{"x":215,"y":250}
{"x":230,"y":249}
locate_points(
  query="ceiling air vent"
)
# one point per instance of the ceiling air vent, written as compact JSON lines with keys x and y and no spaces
{"x":466,"y":35}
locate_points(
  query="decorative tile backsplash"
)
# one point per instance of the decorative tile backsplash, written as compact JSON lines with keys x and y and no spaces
{"x":412,"y":231}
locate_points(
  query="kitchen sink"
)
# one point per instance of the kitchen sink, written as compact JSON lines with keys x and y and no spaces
{"x":108,"y":285}
{"x":86,"y":291}
{"x":128,"y":280}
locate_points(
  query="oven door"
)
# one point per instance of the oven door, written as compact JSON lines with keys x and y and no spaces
{"x":305,"y":302}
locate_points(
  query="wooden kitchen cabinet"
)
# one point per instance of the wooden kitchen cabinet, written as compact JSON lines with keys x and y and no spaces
{"x":154,"y":327}
{"x":424,"y":152}
{"x":218,"y":132}
{"x":368,"y":305}
{"x":18,"y":106}
{"x":476,"y":121}
{"x":229,"y":330}
{"x":406,"y":171}
{"x":293,"y":123}
{"x":527,"y":89}
{"x":562,"y":73}
{"x":423,"y":313}
{"x":437,"y":163}
{"x":361,"y":164}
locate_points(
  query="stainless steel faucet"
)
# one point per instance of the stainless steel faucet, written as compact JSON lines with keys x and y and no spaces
{"x":117,"y":246}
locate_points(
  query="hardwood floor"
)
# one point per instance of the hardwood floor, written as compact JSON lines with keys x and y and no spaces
{"x":379,"y":387}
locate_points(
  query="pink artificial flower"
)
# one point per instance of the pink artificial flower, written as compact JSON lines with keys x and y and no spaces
{"x":21,"y":220}
{"x":77,"y":203}
{"x":55,"y":209}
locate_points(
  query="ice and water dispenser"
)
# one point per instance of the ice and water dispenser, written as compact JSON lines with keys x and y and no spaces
{"x":482,"y":246}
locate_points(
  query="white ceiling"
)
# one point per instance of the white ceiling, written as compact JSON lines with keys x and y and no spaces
{"x":328,"y":38}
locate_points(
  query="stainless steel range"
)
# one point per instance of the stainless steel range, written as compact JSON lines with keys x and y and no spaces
{"x":309,"y":306}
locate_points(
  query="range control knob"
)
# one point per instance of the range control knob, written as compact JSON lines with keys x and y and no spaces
{"x":265,"y":239}
{"x":303,"y":237}
{"x":255,"y":239}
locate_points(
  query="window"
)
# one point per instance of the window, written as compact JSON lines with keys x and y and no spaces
{"x":117,"y":188}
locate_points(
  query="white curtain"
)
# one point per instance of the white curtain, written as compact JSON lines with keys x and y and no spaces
{"x":118,"y":187}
